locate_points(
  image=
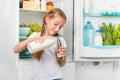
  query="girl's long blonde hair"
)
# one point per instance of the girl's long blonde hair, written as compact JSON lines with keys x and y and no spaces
{"x":51,"y":14}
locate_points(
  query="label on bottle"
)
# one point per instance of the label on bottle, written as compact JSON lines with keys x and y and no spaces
{"x":43,"y":5}
{"x":98,"y":40}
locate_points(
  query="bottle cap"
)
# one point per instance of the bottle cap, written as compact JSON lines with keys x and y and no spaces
{"x":88,"y":22}
{"x":98,"y":30}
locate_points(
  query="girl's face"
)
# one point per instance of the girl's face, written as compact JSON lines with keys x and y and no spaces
{"x":54,"y":25}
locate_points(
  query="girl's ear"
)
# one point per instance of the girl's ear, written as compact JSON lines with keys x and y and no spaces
{"x":47,"y":19}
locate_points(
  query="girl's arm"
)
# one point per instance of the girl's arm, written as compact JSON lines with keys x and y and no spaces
{"x":23,"y":44}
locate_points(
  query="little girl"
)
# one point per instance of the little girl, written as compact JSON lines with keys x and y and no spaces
{"x":47,"y":66}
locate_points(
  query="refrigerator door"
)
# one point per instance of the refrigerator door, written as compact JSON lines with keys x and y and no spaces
{"x":8,"y":34}
{"x":94,"y":14}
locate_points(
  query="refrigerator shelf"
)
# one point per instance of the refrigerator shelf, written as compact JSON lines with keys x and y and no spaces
{"x":25,"y":54}
{"x":98,"y":15}
{"x":36,"y":10}
{"x":23,"y":37}
{"x":107,"y":46}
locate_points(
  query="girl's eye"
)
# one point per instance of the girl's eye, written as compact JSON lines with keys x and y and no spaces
{"x":60,"y":27}
{"x":56,"y":24}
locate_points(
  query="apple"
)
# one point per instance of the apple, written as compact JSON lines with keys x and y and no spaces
{"x":49,"y":5}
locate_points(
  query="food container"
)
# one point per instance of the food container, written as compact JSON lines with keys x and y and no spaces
{"x":24,"y":31}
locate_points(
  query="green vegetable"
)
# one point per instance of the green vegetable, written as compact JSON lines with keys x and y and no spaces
{"x":107,"y":33}
{"x":34,"y":28}
{"x":116,"y":35}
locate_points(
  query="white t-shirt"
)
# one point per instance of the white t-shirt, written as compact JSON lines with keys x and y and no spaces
{"x":47,"y":67}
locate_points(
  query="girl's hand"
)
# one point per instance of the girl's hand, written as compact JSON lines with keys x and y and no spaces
{"x":62,"y":51}
{"x":61,"y":56}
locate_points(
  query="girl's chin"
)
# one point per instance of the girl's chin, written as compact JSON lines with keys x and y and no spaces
{"x":52,"y":33}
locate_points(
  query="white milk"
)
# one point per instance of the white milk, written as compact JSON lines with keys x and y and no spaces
{"x":37,"y":46}
{"x":98,"y":38}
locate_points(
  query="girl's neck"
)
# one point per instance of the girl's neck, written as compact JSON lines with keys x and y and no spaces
{"x":46,"y":34}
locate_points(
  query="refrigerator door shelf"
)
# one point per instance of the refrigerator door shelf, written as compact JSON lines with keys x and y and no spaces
{"x":101,"y":14}
{"x":107,"y":46}
{"x":34,"y":10}
{"x":100,"y":52}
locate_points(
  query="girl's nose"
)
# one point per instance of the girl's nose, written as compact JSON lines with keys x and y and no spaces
{"x":57,"y":29}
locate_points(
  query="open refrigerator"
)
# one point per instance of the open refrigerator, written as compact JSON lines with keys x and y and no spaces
{"x":19,"y":67}
{"x":32,"y":16}
{"x":73,"y":31}
{"x":98,"y":12}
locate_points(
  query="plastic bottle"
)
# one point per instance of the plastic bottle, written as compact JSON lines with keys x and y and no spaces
{"x":98,"y":38}
{"x":20,"y":3}
{"x":43,"y":5}
{"x":34,"y":46}
{"x":88,"y":34}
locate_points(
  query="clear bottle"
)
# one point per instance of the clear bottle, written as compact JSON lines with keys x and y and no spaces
{"x":88,"y":34}
{"x":86,"y":6}
{"x":98,"y":38}
{"x":43,"y":5}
